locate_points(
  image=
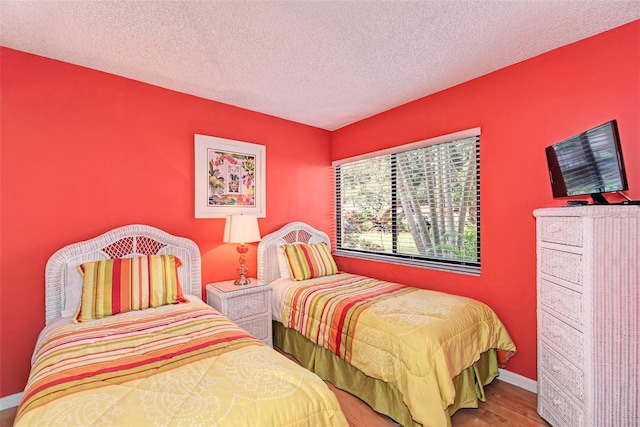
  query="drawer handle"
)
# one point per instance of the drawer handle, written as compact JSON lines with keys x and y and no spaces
{"x":555,"y":368}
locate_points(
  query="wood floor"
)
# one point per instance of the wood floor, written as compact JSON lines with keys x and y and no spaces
{"x":7,"y":416}
{"x":506,"y":405}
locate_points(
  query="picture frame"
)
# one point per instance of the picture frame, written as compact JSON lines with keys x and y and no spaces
{"x":229,"y":177}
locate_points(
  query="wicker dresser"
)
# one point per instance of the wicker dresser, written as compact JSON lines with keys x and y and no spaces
{"x":589,"y":315}
{"x":248,"y":306}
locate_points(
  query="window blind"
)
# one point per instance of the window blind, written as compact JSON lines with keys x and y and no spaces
{"x":419,"y":206}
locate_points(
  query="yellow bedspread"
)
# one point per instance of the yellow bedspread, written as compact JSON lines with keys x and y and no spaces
{"x":182,"y":365}
{"x":416,"y":339}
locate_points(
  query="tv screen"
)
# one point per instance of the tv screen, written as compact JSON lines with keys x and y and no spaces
{"x":588,"y":163}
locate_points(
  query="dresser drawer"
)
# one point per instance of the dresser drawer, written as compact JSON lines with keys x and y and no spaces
{"x":563,"y":336}
{"x":562,"y":300}
{"x":247,"y":305}
{"x":564,"y":372}
{"x":564,"y":265}
{"x":547,"y":414}
{"x":561,"y":230}
{"x":553,"y":399}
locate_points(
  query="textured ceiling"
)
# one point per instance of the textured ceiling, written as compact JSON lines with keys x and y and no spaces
{"x":322,"y":63}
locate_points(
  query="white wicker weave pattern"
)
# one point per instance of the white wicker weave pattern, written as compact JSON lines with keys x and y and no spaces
{"x":563,"y":336}
{"x":244,"y":302}
{"x":567,"y":373}
{"x":588,"y":315}
{"x":294,"y":232}
{"x":559,"y":403}
{"x":562,"y":300}
{"x":133,"y":245}
{"x":122,"y":242}
{"x":249,"y":307}
{"x":564,"y":265}
{"x":561,"y":230}
{"x":259,"y":328}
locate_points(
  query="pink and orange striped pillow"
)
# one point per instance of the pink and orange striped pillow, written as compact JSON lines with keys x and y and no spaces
{"x":113,"y":286}
{"x":306,"y":261}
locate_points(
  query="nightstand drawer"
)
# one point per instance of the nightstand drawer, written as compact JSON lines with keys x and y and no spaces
{"x":247,"y":305}
{"x":257,"y":326}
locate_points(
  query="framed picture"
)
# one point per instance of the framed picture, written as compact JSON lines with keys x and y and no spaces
{"x":229,"y":178}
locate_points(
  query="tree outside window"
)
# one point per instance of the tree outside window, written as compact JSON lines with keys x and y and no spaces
{"x":421,"y":205}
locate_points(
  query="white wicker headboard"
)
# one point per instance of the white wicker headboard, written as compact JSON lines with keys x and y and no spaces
{"x":294,"y":232}
{"x":122,"y":242}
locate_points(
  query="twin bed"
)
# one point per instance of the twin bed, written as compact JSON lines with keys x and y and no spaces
{"x":412,"y":354}
{"x":170,"y":359}
{"x":180,"y":364}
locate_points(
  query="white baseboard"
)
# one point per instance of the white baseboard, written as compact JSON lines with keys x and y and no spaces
{"x":518,"y":380}
{"x":10,"y":401}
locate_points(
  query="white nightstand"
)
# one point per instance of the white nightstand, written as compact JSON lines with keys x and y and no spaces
{"x":248,"y":306}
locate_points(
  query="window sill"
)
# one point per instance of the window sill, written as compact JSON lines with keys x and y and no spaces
{"x":471,"y":270}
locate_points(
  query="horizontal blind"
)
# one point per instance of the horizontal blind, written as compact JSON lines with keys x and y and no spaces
{"x":421,"y":204}
{"x":363,"y":192}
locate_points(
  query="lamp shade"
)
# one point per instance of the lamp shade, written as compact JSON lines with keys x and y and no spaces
{"x":241,"y":229}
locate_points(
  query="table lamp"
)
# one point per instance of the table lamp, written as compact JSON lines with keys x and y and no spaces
{"x":241,"y":229}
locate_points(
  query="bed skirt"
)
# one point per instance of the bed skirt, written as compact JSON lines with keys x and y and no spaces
{"x":381,"y":396}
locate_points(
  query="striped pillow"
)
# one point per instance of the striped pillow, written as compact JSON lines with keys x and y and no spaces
{"x":307,"y":261}
{"x":113,"y":286}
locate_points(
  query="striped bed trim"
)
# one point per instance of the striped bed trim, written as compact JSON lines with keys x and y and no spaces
{"x":327,"y":313}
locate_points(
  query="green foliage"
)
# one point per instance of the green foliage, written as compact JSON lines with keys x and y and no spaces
{"x":427,"y":194}
{"x":469,"y":245}
{"x":216,"y":181}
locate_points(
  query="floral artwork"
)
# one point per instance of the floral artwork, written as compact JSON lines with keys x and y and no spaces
{"x":231,"y":179}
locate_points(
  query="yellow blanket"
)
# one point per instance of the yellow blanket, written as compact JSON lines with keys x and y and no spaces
{"x":182,"y":365}
{"x":416,"y":339}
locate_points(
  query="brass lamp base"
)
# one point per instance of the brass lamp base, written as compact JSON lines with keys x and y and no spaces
{"x":242,"y":281}
{"x":242,"y":270}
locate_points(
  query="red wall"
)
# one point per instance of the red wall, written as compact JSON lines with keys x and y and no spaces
{"x":85,"y":151}
{"x":521,"y":110}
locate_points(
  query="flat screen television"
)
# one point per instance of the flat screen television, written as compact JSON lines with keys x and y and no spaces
{"x":589,"y":163}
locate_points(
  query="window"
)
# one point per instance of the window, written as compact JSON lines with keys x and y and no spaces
{"x":418,"y":204}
